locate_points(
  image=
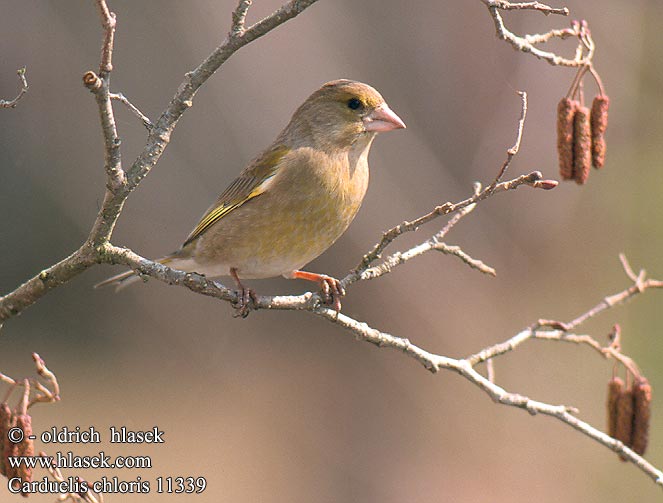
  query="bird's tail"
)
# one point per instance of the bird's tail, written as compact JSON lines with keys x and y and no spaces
{"x":123,"y":280}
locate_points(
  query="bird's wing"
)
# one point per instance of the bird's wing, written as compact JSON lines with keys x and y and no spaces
{"x":250,"y":183}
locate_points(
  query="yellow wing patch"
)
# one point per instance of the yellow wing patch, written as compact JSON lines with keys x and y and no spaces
{"x":251,"y":183}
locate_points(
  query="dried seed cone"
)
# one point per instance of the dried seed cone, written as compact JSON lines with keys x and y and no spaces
{"x":599,"y":123}
{"x":624,"y":423}
{"x":615,"y":388}
{"x":26,"y":447}
{"x":565,"y":111}
{"x":582,"y":145}
{"x":5,"y":424}
{"x":641,"y":414}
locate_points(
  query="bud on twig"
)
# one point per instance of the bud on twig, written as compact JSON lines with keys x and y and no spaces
{"x":582,"y":145}
{"x":599,"y":123}
{"x":565,"y":111}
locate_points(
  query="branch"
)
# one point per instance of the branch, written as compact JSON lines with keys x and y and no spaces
{"x":36,"y":287}
{"x":108,"y":22}
{"x":533,"y":179}
{"x":143,"y":118}
{"x":239,"y":17}
{"x":527,"y":43}
{"x":500,"y":4}
{"x":24,"y":89}
{"x":120,"y":184}
{"x":465,"y":367}
{"x":98,"y":249}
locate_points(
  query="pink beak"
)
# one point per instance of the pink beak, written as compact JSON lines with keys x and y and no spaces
{"x":383,"y":119}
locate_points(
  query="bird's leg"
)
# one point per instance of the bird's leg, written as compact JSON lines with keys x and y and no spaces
{"x":332,"y":290}
{"x":245,"y":296}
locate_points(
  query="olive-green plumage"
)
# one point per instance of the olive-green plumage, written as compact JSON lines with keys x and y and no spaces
{"x":296,"y":198}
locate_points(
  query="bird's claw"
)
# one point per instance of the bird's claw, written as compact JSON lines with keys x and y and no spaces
{"x":331,"y":290}
{"x":246,"y":300}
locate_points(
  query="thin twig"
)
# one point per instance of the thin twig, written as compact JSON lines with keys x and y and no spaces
{"x":545,"y":9}
{"x":433,"y":243}
{"x":527,"y":45}
{"x":143,"y":118}
{"x":24,"y":89}
{"x":561,"y":329}
{"x":511,"y":152}
{"x":542,"y":38}
{"x":464,"y":367}
{"x":108,"y":22}
{"x":472,"y":262}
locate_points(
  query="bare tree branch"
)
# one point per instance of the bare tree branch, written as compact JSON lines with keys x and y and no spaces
{"x":239,"y":17}
{"x":500,"y":4}
{"x":143,"y":118}
{"x":465,"y":367}
{"x":120,"y":183}
{"x":527,"y":43}
{"x":24,"y":89}
{"x":108,"y":22}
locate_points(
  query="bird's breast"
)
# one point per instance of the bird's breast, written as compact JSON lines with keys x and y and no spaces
{"x":309,"y":204}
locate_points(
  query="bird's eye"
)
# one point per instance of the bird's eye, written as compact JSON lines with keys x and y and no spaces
{"x":354,"y":103}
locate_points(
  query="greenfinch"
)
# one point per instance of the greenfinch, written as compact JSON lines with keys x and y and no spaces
{"x":294,"y":200}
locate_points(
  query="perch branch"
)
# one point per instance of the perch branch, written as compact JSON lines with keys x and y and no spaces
{"x":120,"y":183}
{"x":465,"y":367}
{"x":98,"y":249}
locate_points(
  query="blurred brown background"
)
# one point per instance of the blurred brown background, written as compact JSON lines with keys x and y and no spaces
{"x":284,"y":407}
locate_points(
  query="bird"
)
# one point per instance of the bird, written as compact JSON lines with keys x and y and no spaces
{"x":292,"y":201}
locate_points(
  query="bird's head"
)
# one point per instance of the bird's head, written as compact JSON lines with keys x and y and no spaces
{"x":339,"y":114}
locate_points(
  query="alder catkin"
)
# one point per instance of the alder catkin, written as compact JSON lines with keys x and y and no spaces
{"x":641,"y":415}
{"x":582,"y":145}
{"x":10,"y":449}
{"x":624,"y":422}
{"x":5,"y":424}
{"x":615,"y":388}
{"x":565,"y":111}
{"x":599,"y":123}
{"x":25,"y":447}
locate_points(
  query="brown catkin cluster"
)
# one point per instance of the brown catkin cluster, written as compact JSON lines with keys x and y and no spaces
{"x":23,"y":448}
{"x":642,"y":414}
{"x":582,"y":145}
{"x":565,"y":112}
{"x":599,"y":122}
{"x":629,"y":412}
{"x":8,"y":448}
{"x":581,"y":137}
{"x":5,"y":424}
